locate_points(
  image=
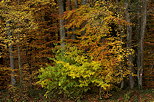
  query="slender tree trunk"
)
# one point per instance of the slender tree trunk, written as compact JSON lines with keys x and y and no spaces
{"x":122,"y":84}
{"x":76,"y":3}
{"x":129,"y":44}
{"x":19,"y":56}
{"x":61,"y":22}
{"x":139,"y":38}
{"x":117,"y":1}
{"x":84,"y":2}
{"x":13,"y":80}
{"x":19,"y":61}
{"x":141,"y":42}
{"x":69,"y":5}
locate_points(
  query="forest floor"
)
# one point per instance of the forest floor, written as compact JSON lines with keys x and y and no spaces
{"x":127,"y":96}
{"x":121,"y":96}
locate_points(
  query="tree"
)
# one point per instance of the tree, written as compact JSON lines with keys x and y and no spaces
{"x":93,"y":59}
{"x":61,"y":21}
{"x":26,"y":39}
{"x":141,"y":42}
{"x":129,"y":45}
{"x":84,"y":2}
{"x":13,"y":80}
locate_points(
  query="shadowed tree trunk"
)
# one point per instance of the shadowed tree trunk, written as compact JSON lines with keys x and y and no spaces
{"x":19,"y":56}
{"x":69,"y":5}
{"x":141,"y":42}
{"x":19,"y":61}
{"x":129,"y":45}
{"x":76,"y":3}
{"x":61,"y":21}
{"x":84,"y":2}
{"x":8,"y":27}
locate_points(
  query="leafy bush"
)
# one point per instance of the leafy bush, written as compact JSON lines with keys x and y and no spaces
{"x":73,"y":73}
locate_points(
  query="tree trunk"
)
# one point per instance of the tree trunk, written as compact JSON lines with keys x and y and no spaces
{"x":19,"y":56}
{"x":13,"y":80}
{"x":76,"y":3}
{"x":69,"y":5}
{"x":19,"y":62}
{"x":141,"y":42}
{"x":61,"y":22}
{"x":129,"y":44}
{"x":84,"y":2}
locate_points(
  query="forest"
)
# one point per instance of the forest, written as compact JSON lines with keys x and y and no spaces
{"x":76,"y":51}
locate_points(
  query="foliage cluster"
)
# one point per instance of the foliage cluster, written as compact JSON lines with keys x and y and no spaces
{"x":94,"y":59}
{"x":23,"y":21}
{"x":95,"y":55}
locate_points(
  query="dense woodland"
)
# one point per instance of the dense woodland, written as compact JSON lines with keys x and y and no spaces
{"x":69,"y":49}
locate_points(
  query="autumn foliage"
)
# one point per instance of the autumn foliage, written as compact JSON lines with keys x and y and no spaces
{"x":95,"y":59}
{"x":51,"y":49}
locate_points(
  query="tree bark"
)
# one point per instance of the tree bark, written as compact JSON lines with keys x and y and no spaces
{"x":19,"y":62}
{"x":84,"y":2}
{"x":61,"y":22}
{"x":69,"y":5}
{"x":13,"y":80}
{"x":19,"y":56}
{"x":141,"y":42}
{"x":129,"y":44}
{"x":76,"y":3}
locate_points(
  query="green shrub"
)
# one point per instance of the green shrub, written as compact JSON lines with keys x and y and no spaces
{"x":74,"y":73}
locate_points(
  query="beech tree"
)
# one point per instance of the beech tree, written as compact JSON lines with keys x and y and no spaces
{"x":129,"y":44}
{"x":141,"y":42}
{"x":13,"y":80}
{"x":61,"y":4}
